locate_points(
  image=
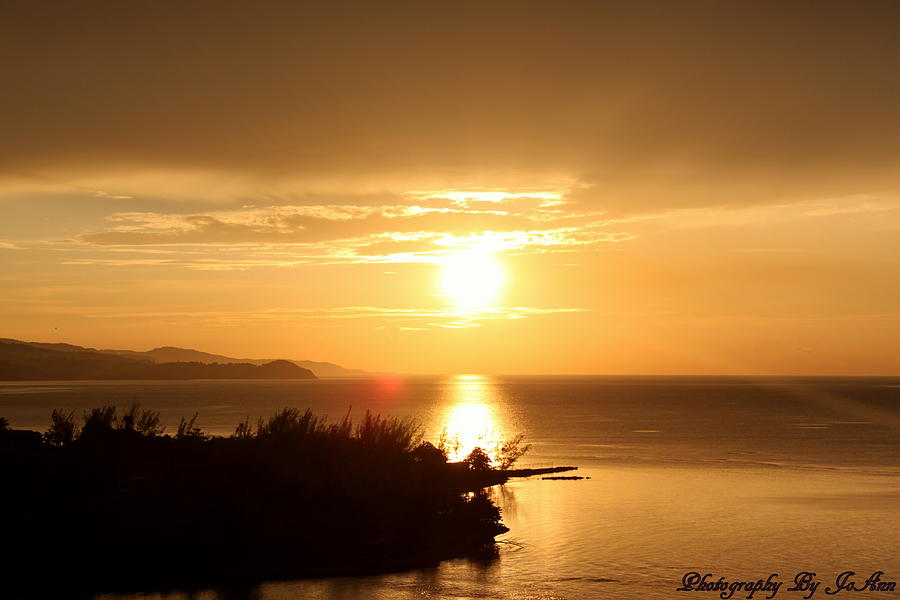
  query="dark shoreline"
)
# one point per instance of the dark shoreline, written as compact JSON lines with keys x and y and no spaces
{"x":117,"y":507}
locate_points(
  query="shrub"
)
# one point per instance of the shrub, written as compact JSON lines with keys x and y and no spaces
{"x":289,"y":421}
{"x":244,"y":430}
{"x":402,"y":435}
{"x":145,"y":422}
{"x":189,"y":430}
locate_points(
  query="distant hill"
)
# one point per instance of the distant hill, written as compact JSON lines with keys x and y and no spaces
{"x":166,"y":354}
{"x":27,"y":361}
{"x":174,"y":354}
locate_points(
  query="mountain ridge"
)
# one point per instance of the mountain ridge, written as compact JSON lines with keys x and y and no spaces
{"x":177,"y":354}
{"x":21,"y":361}
{"x":171,"y":354}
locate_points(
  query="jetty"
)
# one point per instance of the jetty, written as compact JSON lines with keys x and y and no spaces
{"x":463,"y":477}
{"x":531,"y":472}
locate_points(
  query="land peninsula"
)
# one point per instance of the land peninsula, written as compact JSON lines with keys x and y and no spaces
{"x":110,"y":502}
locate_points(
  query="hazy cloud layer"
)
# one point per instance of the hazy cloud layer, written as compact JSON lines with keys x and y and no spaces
{"x":643,"y":105}
{"x":411,"y":319}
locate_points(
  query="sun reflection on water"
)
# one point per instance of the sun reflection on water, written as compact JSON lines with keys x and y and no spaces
{"x":472,"y":418}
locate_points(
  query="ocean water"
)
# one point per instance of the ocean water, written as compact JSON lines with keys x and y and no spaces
{"x":740,"y":478}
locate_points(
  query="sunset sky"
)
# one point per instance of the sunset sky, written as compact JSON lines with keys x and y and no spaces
{"x":443,"y":187}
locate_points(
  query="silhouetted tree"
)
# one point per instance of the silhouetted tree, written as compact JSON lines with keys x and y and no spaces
{"x":63,"y":429}
{"x":99,"y":421}
{"x":145,"y":422}
{"x":449,"y":446}
{"x":511,"y":450}
{"x":148,"y":423}
{"x":478,"y":460}
{"x":427,"y":454}
{"x":4,"y":424}
{"x":128,"y":417}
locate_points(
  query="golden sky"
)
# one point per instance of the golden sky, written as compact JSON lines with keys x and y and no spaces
{"x":499,"y":187}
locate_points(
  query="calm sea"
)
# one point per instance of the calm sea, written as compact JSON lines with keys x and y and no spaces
{"x":741,"y":478}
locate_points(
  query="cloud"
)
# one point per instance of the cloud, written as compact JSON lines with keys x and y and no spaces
{"x":853,"y":209}
{"x":725,"y":216}
{"x":641,"y":107}
{"x":406,"y":319}
{"x":102,"y":194}
{"x":424,"y":231}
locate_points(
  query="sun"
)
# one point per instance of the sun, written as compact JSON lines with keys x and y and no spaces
{"x":472,"y":279}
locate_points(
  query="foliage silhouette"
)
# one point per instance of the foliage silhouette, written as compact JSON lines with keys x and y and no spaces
{"x":243,"y":430}
{"x":189,"y":430}
{"x":145,"y":422}
{"x":511,"y":450}
{"x":295,"y":496}
{"x":499,"y":455}
{"x":478,"y":460}
{"x":63,"y":429}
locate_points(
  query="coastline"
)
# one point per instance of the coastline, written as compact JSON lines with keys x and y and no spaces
{"x":117,"y":507}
